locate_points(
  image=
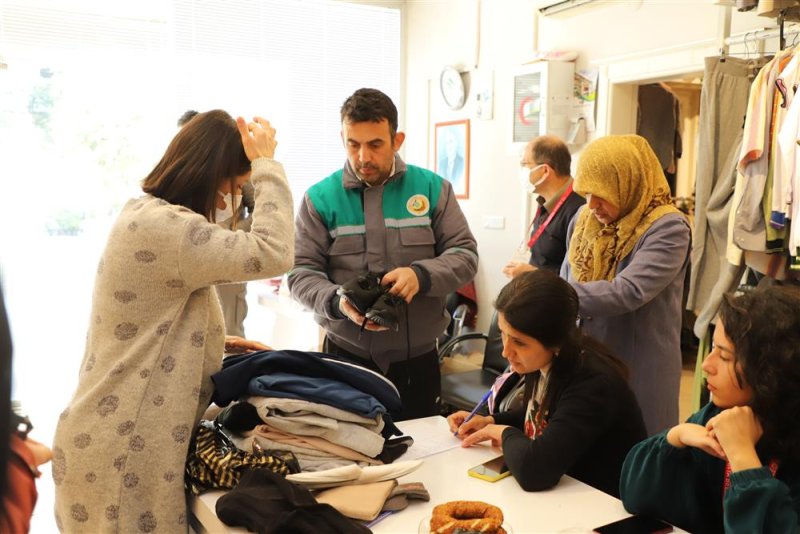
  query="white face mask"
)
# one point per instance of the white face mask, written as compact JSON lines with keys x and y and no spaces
{"x":525,"y":179}
{"x":227,"y":212}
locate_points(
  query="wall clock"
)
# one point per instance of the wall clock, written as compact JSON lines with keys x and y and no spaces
{"x":451,"y":84}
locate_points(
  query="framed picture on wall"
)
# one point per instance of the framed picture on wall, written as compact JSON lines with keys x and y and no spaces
{"x":451,"y":150}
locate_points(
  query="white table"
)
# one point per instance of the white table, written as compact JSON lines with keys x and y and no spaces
{"x":571,"y":506}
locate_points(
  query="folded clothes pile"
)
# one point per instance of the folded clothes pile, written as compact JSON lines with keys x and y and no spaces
{"x":327,"y":412}
{"x":310,"y":376}
{"x":335,"y":418}
{"x":320,"y":436}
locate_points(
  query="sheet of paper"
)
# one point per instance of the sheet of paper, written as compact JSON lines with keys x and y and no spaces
{"x":431,"y":436}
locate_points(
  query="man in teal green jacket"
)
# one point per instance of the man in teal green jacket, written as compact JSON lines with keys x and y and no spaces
{"x":381,"y":215}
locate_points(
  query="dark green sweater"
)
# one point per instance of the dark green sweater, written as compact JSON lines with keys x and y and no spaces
{"x":684,"y":487}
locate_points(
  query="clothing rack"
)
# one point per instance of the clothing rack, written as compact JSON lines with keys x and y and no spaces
{"x":763,"y":35}
{"x":781,"y":32}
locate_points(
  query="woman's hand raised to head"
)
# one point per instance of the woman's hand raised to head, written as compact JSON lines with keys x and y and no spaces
{"x":258,"y":138}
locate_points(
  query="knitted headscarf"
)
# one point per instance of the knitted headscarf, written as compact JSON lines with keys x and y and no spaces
{"x":625,"y":171}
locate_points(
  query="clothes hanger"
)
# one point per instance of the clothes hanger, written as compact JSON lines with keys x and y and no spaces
{"x":752,"y":63}
{"x":794,"y":41}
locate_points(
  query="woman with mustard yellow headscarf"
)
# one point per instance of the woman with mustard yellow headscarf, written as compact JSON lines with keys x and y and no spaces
{"x":627,"y":259}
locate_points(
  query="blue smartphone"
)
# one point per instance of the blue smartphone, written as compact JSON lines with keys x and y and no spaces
{"x":635,"y":524}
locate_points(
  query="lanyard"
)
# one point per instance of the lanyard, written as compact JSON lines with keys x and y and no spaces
{"x":540,"y":230}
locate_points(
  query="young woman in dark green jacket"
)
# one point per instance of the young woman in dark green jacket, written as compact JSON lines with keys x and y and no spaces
{"x":734,"y":466}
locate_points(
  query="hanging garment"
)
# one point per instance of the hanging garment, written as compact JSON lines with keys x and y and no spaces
{"x":749,"y":229}
{"x":788,"y":138}
{"x":658,"y":122}
{"x":723,"y":104}
{"x":776,"y":229}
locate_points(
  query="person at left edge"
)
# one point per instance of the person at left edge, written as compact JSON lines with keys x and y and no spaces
{"x":382,"y":215}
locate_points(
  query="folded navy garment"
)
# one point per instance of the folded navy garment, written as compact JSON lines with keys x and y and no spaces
{"x":234,"y":379}
{"x":321,"y":390}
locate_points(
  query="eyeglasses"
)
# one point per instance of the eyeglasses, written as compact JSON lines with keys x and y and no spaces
{"x":532,"y":165}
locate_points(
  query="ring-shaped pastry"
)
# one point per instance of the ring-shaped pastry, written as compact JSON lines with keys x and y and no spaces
{"x":473,"y":516}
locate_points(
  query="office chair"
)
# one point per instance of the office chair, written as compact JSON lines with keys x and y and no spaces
{"x":458,"y":317}
{"x":462,"y":391}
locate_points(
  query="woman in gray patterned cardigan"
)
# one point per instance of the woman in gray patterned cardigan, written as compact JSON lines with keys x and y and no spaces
{"x":156,"y":331}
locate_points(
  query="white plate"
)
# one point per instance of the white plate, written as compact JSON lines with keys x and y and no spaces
{"x":425,"y":526}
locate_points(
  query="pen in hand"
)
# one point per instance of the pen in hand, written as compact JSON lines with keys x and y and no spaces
{"x":474,"y":411}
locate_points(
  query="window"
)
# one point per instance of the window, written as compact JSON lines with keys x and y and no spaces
{"x":90,"y":93}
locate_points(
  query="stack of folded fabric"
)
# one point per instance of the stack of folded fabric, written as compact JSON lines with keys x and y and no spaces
{"x":334,"y":417}
{"x":329,"y":413}
{"x":319,"y":435}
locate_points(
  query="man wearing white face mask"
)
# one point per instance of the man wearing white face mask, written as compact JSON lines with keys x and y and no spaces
{"x":232,"y":297}
{"x":545,"y":170}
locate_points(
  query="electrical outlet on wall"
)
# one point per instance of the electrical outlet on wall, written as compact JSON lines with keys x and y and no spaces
{"x":494,"y":222}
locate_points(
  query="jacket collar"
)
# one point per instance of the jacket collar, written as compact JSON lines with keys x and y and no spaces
{"x":351,"y":181}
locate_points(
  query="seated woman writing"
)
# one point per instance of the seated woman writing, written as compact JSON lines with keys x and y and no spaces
{"x":579,"y":416}
{"x":733,"y":466}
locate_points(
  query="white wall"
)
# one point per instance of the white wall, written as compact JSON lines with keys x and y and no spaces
{"x":442,"y":32}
